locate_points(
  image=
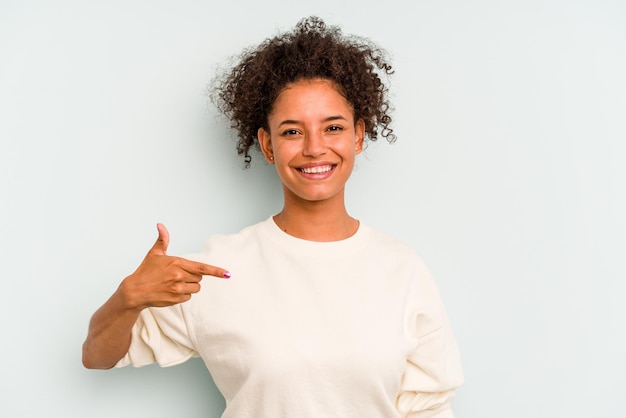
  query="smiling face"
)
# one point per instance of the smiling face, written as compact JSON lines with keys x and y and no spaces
{"x":313,"y":140}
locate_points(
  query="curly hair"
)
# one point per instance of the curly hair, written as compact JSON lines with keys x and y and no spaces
{"x":245,"y":93}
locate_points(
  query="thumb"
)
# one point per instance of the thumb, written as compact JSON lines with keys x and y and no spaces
{"x":162,"y":242}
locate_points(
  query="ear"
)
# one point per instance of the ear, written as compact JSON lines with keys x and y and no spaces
{"x":359,"y":130}
{"x":265,"y":142}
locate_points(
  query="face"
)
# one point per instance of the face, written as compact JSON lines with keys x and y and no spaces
{"x":313,"y":140}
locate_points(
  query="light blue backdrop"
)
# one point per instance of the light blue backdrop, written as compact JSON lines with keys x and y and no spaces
{"x":508,"y":177}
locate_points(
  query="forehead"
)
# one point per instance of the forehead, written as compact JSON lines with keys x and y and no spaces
{"x":310,"y":94}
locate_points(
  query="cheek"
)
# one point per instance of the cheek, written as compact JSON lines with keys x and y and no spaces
{"x":349,"y":148}
{"x":285,"y":151}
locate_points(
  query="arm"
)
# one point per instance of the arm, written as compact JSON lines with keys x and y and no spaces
{"x":434,"y":369}
{"x":160,"y":280}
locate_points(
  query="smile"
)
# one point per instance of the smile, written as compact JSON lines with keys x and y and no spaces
{"x":317,"y":170}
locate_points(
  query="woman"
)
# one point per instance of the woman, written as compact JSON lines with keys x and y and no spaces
{"x":320,"y":315}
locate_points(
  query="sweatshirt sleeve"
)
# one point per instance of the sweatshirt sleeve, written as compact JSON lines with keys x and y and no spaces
{"x":160,"y":335}
{"x":433,"y":369}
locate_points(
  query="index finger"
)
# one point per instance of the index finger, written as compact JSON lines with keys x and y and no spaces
{"x":195,"y":267}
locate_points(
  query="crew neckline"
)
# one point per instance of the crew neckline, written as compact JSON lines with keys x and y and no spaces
{"x":329,"y":249}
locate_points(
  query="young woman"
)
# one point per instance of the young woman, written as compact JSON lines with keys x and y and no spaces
{"x":317,"y":315}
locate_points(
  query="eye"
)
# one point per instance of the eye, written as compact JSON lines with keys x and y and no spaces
{"x":335,"y":128}
{"x":290,"y":132}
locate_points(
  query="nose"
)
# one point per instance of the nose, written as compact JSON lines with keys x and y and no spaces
{"x":314,"y":145}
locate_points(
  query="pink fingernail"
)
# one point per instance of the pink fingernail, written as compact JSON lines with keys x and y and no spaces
{"x":227,"y":275}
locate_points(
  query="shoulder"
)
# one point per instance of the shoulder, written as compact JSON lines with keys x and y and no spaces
{"x":401,"y":259}
{"x":390,"y":245}
{"x":247,"y":236}
{"x":226,"y":245}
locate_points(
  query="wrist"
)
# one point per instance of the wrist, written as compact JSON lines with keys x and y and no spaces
{"x":128,"y":298}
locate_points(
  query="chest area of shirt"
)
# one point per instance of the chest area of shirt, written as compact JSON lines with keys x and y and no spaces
{"x":286,"y":332}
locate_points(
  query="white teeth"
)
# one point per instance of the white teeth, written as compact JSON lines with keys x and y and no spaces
{"x":316,"y":170}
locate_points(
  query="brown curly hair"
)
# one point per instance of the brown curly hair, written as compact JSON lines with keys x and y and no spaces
{"x":246,"y":92}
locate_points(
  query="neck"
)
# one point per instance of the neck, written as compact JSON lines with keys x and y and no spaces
{"x":326,"y":220}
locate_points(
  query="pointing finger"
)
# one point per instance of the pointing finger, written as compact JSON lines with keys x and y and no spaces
{"x":198,"y":268}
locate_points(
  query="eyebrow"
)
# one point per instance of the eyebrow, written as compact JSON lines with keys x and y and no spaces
{"x":296,"y":122}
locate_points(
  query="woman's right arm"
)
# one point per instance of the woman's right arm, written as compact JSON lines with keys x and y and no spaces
{"x":160,"y":280}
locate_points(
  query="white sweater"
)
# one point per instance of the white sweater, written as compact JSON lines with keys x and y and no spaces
{"x":352,"y":328}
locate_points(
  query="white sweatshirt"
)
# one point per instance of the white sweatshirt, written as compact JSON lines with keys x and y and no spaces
{"x":352,"y":328}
